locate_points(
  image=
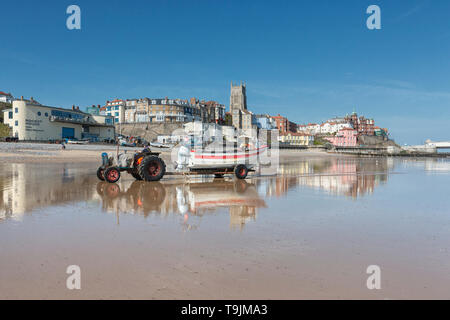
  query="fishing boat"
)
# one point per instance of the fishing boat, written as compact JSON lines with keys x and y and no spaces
{"x":219,"y":159}
{"x":199,"y":158}
{"x":76,"y":141}
{"x":159,"y":145}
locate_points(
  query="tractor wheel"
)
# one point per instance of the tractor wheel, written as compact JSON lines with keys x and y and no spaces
{"x":136,"y":175}
{"x":241,"y":171}
{"x":112,"y":175}
{"x":101,"y":188}
{"x":100,"y":172}
{"x":112,"y":191}
{"x":152,"y":168}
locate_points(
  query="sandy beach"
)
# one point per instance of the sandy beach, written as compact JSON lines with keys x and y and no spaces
{"x":310,"y":231}
{"x":42,"y":152}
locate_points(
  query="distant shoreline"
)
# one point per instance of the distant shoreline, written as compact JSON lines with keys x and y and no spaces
{"x":52,"y":153}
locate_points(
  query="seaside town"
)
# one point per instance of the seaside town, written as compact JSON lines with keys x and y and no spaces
{"x":152,"y":120}
{"x":224,"y":155}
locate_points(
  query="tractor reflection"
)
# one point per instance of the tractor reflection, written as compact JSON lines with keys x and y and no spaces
{"x":188,"y":200}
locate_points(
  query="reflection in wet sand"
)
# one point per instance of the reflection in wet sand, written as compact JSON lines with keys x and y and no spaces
{"x":351,"y":177}
{"x":26,"y":187}
{"x":308,"y":232}
{"x":189,"y":199}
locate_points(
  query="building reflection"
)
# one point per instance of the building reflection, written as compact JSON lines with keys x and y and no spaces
{"x":437,"y":165}
{"x":27,"y":187}
{"x":350,"y":177}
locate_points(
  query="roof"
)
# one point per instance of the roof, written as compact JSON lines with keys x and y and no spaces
{"x":5,"y":94}
{"x":278,"y":117}
{"x":55,"y":108}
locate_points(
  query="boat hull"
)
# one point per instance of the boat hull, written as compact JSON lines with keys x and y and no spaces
{"x":228,"y":159}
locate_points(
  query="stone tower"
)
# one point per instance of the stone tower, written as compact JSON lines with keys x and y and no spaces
{"x":238,"y":97}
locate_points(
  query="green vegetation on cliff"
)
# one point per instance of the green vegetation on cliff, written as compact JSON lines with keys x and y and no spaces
{"x":5,"y":130}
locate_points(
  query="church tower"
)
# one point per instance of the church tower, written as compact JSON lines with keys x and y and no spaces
{"x":238,"y":97}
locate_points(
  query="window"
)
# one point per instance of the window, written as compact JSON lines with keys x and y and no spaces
{"x":39,"y":113}
{"x":16,"y":110}
{"x":65,"y":114}
{"x":117,"y":114}
{"x":16,"y":123}
{"x":10,"y":115}
{"x":46,"y":114}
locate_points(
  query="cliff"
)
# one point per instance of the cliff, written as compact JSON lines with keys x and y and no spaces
{"x":374,"y":141}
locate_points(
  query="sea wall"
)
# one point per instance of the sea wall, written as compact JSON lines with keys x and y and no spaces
{"x":147,"y":131}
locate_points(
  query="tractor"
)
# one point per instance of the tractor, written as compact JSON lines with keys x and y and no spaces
{"x":144,"y":165}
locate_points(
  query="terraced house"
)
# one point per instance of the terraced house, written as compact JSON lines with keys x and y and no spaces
{"x":115,"y":108}
{"x":146,"y":110}
{"x":296,"y":139}
{"x":211,"y":111}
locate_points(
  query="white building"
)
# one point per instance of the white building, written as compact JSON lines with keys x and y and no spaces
{"x":209,"y":131}
{"x":30,"y":120}
{"x":311,"y":128}
{"x":333,"y":127}
{"x":130,"y":110}
{"x":115,"y":108}
{"x":6,"y":97}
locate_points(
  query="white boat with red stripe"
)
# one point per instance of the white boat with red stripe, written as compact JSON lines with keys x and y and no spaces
{"x":199,"y":158}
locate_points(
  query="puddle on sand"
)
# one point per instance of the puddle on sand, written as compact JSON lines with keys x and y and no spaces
{"x":308,"y":232}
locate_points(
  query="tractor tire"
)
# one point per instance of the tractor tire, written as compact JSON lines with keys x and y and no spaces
{"x":241,"y":171}
{"x":240,"y":186}
{"x":152,"y":168}
{"x":112,"y":174}
{"x":100,"y":172}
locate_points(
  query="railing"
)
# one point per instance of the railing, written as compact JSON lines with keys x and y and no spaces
{"x":85,"y":120}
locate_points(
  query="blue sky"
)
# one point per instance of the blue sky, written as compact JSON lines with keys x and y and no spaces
{"x":307,"y":60}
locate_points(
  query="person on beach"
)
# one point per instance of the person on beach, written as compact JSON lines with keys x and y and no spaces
{"x":146,"y":148}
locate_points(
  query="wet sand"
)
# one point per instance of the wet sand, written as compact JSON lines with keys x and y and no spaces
{"x":309,"y":232}
{"x":53,"y":153}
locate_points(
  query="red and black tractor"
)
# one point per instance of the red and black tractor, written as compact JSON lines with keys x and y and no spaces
{"x":145,"y":165}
